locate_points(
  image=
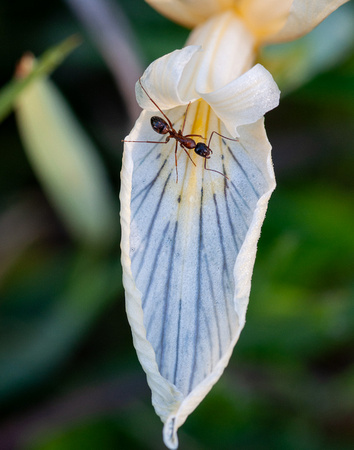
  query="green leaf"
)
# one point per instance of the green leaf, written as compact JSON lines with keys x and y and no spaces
{"x":44,"y":66}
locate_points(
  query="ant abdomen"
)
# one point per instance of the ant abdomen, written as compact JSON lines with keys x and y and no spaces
{"x":159,"y":125}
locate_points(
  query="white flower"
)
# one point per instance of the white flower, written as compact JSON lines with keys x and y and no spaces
{"x":188,"y":247}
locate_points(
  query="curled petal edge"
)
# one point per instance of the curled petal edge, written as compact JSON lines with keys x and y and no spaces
{"x":245,"y":100}
{"x":163,"y":78}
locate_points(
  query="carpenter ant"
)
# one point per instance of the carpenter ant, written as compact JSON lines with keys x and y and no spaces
{"x":163,"y":126}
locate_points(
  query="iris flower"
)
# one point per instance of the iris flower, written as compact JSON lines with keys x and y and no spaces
{"x":190,"y":224}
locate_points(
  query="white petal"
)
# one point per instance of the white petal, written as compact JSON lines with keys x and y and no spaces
{"x":228,"y":51}
{"x":190,"y":13}
{"x":244,"y":100}
{"x":304,"y":16}
{"x":188,"y":253}
{"x":163,"y":81}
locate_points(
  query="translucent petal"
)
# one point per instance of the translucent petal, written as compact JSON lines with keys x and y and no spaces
{"x":268,"y":20}
{"x":313,"y":53}
{"x":245,"y":99}
{"x":304,"y":16}
{"x":188,"y":250}
{"x":190,"y":13}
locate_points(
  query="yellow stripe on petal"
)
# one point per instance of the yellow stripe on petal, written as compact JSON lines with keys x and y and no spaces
{"x":200,"y":118}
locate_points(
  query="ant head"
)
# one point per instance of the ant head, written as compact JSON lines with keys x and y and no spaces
{"x":159,"y":125}
{"x":203,"y":150}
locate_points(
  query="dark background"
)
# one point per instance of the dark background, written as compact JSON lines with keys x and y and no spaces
{"x":69,"y":376}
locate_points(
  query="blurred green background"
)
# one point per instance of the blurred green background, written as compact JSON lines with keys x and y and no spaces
{"x":69,"y":376}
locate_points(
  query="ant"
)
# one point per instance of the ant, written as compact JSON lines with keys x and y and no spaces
{"x":163,"y":126}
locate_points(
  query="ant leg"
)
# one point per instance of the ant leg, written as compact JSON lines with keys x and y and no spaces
{"x":184,"y":122}
{"x":212,"y":170}
{"x":189,"y":156}
{"x":185,"y":117}
{"x":157,"y":106}
{"x":221,"y":135}
{"x":198,"y":135}
{"x":151,"y":142}
{"x":147,"y":142}
{"x":176,"y":163}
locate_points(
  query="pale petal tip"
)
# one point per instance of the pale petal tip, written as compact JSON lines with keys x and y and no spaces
{"x":169,"y":433}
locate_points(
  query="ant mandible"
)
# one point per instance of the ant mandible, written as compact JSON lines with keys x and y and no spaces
{"x":163,"y":126}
